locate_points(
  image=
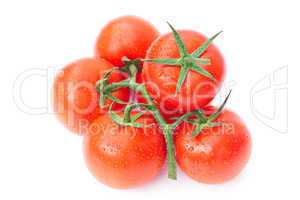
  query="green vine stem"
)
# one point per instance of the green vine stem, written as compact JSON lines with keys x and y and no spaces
{"x":167,"y":130}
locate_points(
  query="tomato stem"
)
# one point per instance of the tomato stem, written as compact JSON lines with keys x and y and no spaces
{"x":167,"y":131}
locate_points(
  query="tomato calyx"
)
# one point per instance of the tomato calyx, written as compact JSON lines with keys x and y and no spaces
{"x":200,"y":121}
{"x":127,"y":119}
{"x":187,"y":61}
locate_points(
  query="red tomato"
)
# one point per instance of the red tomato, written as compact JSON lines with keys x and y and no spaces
{"x":161,"y":80}
{"x":217,"y":154}
{"x":128,"y":36}
{"x":122,"y":156}
{"x":75,"y":99}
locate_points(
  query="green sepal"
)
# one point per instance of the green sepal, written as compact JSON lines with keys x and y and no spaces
{"x":214,"y":124}
{"x":182,"y":76}
{"x":209,"y":122}
{"x":198,"y":52}
{"x":165,"y":61}
{"x":202,"y":61}
{"x":179,"y":42}
{"x":202,"y":71}
{"x":198,"y":129}
{"x":180,"y":119}
{"x":219,"y":110}
{"x":186,"y":117}
{"x":200,"y":116}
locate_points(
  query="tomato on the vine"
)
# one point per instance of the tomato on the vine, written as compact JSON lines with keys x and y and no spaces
{"x":143,"y":99}
{"x":126,"y":36}
{"x":123,"y":156}
{"x":161,"y":79}
{"x":75,"y":99}
{"x":216,"y":154}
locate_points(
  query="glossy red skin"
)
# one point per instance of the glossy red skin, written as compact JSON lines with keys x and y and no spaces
{"x":217,"y":154}
{"x":75,"y":99}
{"x":128,"y":36}
{"x":124,"y":157}
{"x":161,"y":80}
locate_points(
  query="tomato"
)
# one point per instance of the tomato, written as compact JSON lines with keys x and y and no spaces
{"x":122,"y":156}
{"x":197,"y":89}
{"x":128,"y":36}
{"x":217,"y":154}
{"x":75,"y":99}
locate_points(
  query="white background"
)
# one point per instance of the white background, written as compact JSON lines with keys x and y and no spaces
{"x":39,"y":159}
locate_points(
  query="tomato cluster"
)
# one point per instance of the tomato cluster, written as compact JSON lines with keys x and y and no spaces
{"x":143,"y":98}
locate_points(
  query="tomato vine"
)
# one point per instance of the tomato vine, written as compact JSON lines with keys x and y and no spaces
{"x":186,"y":62}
